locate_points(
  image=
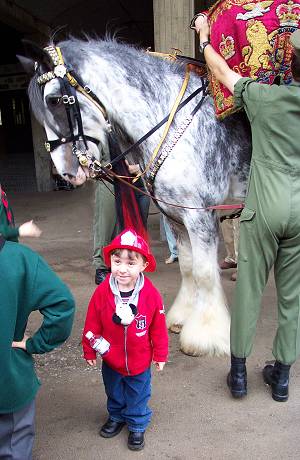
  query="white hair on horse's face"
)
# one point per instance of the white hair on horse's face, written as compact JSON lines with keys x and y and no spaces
{"x":138,"y":91}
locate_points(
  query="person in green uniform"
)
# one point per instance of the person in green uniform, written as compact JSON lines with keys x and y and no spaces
{"x":270,"y":221}
{"x":27,"y":284}
{"x":7,"y":227}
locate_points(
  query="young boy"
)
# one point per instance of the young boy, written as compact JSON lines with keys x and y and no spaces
{"x":127,"y":310}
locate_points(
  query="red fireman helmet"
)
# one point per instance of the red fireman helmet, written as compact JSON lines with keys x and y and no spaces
{"x":129,"y":239}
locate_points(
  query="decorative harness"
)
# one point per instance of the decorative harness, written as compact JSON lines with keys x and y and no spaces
{"x":70,"y":82}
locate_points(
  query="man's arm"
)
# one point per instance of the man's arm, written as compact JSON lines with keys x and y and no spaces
{"x":217,"y":65}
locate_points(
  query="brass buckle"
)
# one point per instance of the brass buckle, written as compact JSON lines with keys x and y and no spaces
{"x":48,"y":147}
{"x":97,"y":166}
{"x":108,"y":166}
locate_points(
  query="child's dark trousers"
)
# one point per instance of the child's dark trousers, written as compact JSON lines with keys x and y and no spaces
{"x":17,"y":434}
{"x":127,"y":397}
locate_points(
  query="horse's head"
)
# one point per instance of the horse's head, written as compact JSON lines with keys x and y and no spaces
{"x":75,"y":121}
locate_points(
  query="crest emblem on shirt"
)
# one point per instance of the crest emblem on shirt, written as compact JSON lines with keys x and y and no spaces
{"x":140,"y":322}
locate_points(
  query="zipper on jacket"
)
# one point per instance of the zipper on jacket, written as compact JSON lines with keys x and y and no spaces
{"x":125,"y":348}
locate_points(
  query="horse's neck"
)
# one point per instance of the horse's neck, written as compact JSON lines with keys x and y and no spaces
{"x":132,"y":107}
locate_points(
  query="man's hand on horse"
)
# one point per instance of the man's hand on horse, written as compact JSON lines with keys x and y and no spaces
{"x":202,"y":27}
{"x":216,"y":63}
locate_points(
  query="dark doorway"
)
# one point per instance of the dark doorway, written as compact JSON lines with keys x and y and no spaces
{"x":17,"y":170}
{"x":15,"y":124}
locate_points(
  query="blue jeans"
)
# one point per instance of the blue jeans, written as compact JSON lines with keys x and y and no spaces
{"x":127,"y":397}
{"x":171,"y":240}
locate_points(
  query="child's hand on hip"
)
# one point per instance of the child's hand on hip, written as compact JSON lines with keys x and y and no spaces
{"x":21,"y":344}
{"x":91,"y":362}
{"x":159,"y":366}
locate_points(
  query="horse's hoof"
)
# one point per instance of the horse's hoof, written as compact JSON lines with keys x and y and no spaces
{"x":191,"y":353}
{"x":175,"y":328}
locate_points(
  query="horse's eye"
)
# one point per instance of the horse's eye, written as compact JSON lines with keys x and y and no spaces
{"x":53,"y":101}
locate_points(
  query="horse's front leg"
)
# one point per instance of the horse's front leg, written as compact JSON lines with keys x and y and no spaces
{"x":182,"y":306}
{"x":206,"y":330}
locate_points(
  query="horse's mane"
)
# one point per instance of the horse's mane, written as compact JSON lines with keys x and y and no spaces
{"x":141,"y":69}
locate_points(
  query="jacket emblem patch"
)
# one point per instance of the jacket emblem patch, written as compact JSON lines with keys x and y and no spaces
{"x":140,"y":322}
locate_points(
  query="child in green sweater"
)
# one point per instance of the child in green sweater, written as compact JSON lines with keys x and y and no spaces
{"x":27,"y":284}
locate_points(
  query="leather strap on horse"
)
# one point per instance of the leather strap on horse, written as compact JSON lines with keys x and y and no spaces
{"x":74,"y":81}
{"x":64,"y":72}
{"x":218,"y":207}
{"x":169,"y":122}
{"x":152,"y":131}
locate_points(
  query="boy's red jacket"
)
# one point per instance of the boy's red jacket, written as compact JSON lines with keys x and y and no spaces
{"x":133,"y":347}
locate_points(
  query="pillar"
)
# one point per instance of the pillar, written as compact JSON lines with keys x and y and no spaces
{"x":171,"y":26}
{"x":44,"y":179}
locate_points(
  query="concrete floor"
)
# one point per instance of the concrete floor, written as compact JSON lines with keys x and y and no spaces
{"x":194,"y":415}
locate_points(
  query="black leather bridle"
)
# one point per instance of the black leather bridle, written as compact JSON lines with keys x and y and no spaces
{"x":70,"y":83}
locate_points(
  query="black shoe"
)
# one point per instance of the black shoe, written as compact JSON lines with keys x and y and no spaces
{"x":111,"y":428}
{"x":277,"y":377}
{"x":100,"y":275}
{"x":136,"y":440}
{"x":237,"y":377}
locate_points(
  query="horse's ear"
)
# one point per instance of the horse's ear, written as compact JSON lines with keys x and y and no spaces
{"x":27,"y":64}
{"x":34,"y":54}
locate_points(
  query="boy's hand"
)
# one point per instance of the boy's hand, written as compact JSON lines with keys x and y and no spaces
{"x":159,"y":366}
{"x":91,"y":362}
{"x":21,"y":344}
{"x":29,"y":229}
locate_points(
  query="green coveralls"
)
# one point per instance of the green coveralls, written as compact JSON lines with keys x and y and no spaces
{"x":270,"y":221}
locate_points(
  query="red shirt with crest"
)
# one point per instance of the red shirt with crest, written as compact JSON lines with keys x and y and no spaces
{"x":133,"y":347}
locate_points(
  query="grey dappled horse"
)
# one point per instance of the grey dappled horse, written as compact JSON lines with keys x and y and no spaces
{"x":209,"y":160}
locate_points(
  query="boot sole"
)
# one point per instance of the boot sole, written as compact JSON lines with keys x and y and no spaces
{"x":238,"y":394}
{"x":276,"y":397}
{"x":279,"y":398}
{"x":131,"y":447}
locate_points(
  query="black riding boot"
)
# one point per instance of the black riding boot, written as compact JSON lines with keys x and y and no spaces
{"x":237,"y":377}
{"x":277,"y":377}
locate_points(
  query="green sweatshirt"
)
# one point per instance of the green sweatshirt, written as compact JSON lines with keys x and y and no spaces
{"x":7,"y":231}
{"x":27,"y":284}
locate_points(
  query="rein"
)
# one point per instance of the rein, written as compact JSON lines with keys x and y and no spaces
{"x":218,"y":207}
